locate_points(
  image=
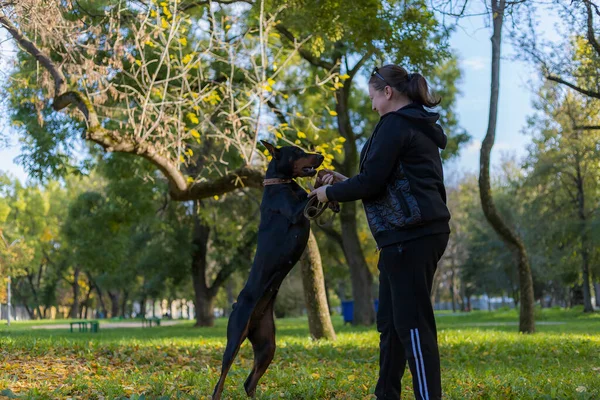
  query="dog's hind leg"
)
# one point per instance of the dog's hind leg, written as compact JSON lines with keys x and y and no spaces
{"x":237,"y":331}
{"x":262,"y":336}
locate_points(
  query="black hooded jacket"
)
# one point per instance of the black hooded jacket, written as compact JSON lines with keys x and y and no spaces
{"x":400,"y":178}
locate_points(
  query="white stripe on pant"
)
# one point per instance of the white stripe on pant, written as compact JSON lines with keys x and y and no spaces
{"x":420,"y":365}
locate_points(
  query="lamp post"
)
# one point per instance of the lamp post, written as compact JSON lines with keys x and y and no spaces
{"x":8,"y":295}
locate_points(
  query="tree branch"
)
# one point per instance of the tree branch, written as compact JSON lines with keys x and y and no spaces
{"x":193,"y":4}
{"x":112,"y":142}
{"x":307,"y":55}
{"x":590,"y":93}
{"x":241,"y":177}
{"x":31,"y":48}
{"x":590,"y":27}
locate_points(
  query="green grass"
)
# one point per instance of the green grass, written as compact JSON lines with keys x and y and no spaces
{"x":483,"y":357}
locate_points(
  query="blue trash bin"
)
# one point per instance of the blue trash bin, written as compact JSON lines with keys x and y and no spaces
{"x":348,"y":309}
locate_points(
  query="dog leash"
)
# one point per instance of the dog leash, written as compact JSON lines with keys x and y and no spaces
{"x":313,"y":209}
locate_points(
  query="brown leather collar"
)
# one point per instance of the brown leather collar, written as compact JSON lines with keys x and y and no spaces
{"x":275,"y":181}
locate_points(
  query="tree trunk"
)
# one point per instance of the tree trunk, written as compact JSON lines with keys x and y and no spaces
{"x":230,"y":297}
{"x":75,"y":285}
{"x":124,"y":303}
{"x":203,"y":301}
{"x":100,"y":295}
{"x":35,"y":296}
{"x":597,"y":293}
{"x":114,"y":303}
{"x":452,"y":294}
{"x":313,"y":281}
{"x":143,"y":306}
{"x":585,"y":255}
{"x":526,"y":314}
{"x":360,"y":276}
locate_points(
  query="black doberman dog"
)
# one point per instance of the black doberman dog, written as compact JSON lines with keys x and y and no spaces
{"x":282,"y":237}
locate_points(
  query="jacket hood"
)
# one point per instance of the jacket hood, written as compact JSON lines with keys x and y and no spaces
{"x":426,"y":120}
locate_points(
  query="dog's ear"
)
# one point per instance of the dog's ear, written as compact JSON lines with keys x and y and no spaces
{"x":275,"y":152}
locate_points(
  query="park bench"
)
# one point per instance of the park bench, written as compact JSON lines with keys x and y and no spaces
{"x":149,"y":321}
{"x":94,"y":326}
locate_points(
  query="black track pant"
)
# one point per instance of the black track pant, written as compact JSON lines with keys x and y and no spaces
{"x":405,"y":317}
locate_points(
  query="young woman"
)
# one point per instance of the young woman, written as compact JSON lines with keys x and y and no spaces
{"x":401,"y":184}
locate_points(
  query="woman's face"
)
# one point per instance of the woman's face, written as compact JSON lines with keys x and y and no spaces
{"x":380,"y":99}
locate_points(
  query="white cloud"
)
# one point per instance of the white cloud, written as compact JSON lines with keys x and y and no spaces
{"x":476,"y":63}
{"x":473,"y":147}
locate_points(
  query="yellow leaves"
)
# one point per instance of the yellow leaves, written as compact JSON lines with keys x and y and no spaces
{"x":298,"y":115}
{"x":351,"y":377}
{"x":333,"y":113}
{"x":153,"y":13}
{"x":212,"y":98}
{"x":149,"y":43}
{"x":216,"y":197}
{"x":268,"y":88}
{"x":47,"y":235}
{"x":167,"y":12}
{"x":163,"y":23}
{"x":193,"y":118}
{"x":278,"y":135}
{"x":301,"y":135}
{"x":189,"y":152}
{"x":297,"y":142}
{"x":315,"y":375}
{"x":274,"y":66}
{"x":181,"y":159}
{"x":186,"y":59}
{"x":138,"y":63}
{"x":344,"y":77}
{"x":189,"y":180}
{"x":342,"y":139}
{"x":285,"y":96}
{"x":227,"y":26}
{"x":183,"y":41}
{"x":271,"y":82}
{"x":195,"y":133}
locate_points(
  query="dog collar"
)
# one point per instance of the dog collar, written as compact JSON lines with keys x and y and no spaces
{"x":276,"y":181}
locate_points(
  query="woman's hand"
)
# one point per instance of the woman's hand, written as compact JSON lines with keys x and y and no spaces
{"x":321,"y":193}
{"x":333,"y":177}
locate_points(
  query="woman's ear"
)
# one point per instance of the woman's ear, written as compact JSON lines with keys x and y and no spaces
{"x":388,"y":92}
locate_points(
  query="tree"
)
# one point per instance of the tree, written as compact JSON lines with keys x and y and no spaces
{"x":508,"y":235}
{"x":158,"y":86}
{"x":564,"y":160}
{"x":345,"y":45}
{"x":578,"y":27}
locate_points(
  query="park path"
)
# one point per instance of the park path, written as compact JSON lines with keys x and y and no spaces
{"x":108,"y":325}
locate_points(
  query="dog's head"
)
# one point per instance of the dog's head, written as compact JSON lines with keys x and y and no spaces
{"x":292,"y":161}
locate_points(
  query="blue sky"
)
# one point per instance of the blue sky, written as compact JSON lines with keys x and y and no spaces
{"x":472,"y":44}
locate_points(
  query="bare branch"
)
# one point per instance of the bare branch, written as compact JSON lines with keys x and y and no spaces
{"x":590,"y":27}
{"x":574,"y":87}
